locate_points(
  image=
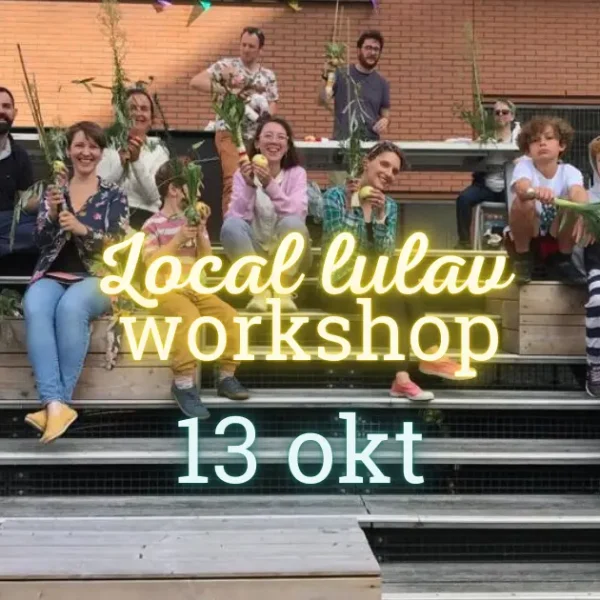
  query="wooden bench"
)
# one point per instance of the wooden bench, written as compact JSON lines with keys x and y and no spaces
{"x":541,"y":318}
{"x":223,"y":558}
{"x":148,"y":379}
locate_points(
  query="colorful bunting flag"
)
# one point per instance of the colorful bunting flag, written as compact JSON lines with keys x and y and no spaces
{"x":160,"y":5}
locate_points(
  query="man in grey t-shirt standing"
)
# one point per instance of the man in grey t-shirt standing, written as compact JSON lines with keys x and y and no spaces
{"x":362,"y":90}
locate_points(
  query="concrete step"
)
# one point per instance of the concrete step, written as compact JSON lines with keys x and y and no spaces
{"x":276,"y":450}
{"x":370,"y":510}
{"x":491,"y":581}
{"x":352,"y":398}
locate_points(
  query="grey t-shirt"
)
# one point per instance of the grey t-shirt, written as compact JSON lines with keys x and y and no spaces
{"x":373,"y":94}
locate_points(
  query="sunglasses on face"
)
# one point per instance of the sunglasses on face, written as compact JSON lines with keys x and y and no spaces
{"x":502,"y":113}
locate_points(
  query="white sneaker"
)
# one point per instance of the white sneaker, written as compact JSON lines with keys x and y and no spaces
{"x":287,"y":303}
{"x":258,"y":304}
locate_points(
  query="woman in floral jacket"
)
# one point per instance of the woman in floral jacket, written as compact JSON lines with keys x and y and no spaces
{"x":73,"y":225}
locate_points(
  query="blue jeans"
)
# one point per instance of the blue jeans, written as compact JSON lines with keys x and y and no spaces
{"x":466,"y":201}
{"x":238,"y":239}
{"x":57,"y":320}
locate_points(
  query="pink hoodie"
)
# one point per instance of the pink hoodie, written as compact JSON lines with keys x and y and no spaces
{"x":289,"y":198}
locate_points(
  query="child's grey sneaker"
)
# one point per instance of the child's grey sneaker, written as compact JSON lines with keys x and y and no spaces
{"x":231,"y":388}
{"x":189,"y":402}
{"x":592,"y":384}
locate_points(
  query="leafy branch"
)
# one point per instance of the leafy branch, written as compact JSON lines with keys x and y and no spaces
{"x":481,"y":121}
{"x":335,"y":52}
{"x":52,"y":142}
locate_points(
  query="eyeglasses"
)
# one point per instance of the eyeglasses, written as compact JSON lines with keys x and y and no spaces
{"x":270,"y":137}
{"x":375,"y":49}
{"x":502,"y":113}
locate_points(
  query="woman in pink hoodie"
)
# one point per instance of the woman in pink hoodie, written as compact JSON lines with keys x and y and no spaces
{"x":267,"y":203}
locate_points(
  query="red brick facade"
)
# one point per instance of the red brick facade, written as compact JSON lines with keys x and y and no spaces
{"x":529,"y":49}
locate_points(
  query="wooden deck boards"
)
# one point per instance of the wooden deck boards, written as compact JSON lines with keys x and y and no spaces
{"x":323,"y":553}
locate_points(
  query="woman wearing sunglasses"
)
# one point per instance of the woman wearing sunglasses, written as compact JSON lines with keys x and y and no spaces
{"x":487,"y":185}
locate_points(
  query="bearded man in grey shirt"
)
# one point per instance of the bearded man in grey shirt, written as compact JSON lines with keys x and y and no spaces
{"x":362,"y":90}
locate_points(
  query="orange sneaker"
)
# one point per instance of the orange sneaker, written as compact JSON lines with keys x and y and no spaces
{"x":445,"y":368}
{"x":403,"y":387}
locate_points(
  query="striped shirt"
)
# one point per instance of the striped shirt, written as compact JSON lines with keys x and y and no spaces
{"x":160,"y":229}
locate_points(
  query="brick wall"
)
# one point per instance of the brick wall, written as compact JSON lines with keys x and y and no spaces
{"x":529,"y":48}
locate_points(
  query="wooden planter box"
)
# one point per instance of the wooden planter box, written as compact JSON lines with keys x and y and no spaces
{"x":541,"y":318}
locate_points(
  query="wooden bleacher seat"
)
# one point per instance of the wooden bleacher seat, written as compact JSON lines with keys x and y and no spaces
{"x":250,"y":558}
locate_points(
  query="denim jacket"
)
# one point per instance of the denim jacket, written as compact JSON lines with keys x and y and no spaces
{"x":105,"y":214}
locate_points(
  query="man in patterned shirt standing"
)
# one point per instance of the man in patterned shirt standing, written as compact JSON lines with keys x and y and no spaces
{"x":261,"y":96}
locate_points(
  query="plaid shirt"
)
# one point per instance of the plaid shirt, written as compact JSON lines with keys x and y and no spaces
{"x":336,"y":220}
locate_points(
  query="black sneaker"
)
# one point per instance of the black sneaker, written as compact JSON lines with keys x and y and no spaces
{"x":567,"y":272}
{"x":231,"y":388}
{"x":592,"y":383}
{"x":523,"y":267}
{"x":189,"y":402}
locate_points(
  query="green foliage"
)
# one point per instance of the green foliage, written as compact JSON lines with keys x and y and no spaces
{"x":110,"y":19}
{"x":590,"y":214}
{"x":10,"y":307}
{"x":192,"y":174}
{"x":335,"y":53}
{"x":230,"y":108}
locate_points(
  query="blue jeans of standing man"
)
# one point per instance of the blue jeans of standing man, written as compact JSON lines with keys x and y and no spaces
{"x":57,"y":320}
{"x":238,"y":239}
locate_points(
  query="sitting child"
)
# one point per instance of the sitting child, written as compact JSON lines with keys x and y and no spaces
{"x":167,"y":234}
{"x":539,"y":178}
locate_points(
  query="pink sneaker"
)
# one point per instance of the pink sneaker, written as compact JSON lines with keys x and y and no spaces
{"x":409,"y":389}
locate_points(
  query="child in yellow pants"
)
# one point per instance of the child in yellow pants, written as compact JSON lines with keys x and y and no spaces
{"x":168,"y":234}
